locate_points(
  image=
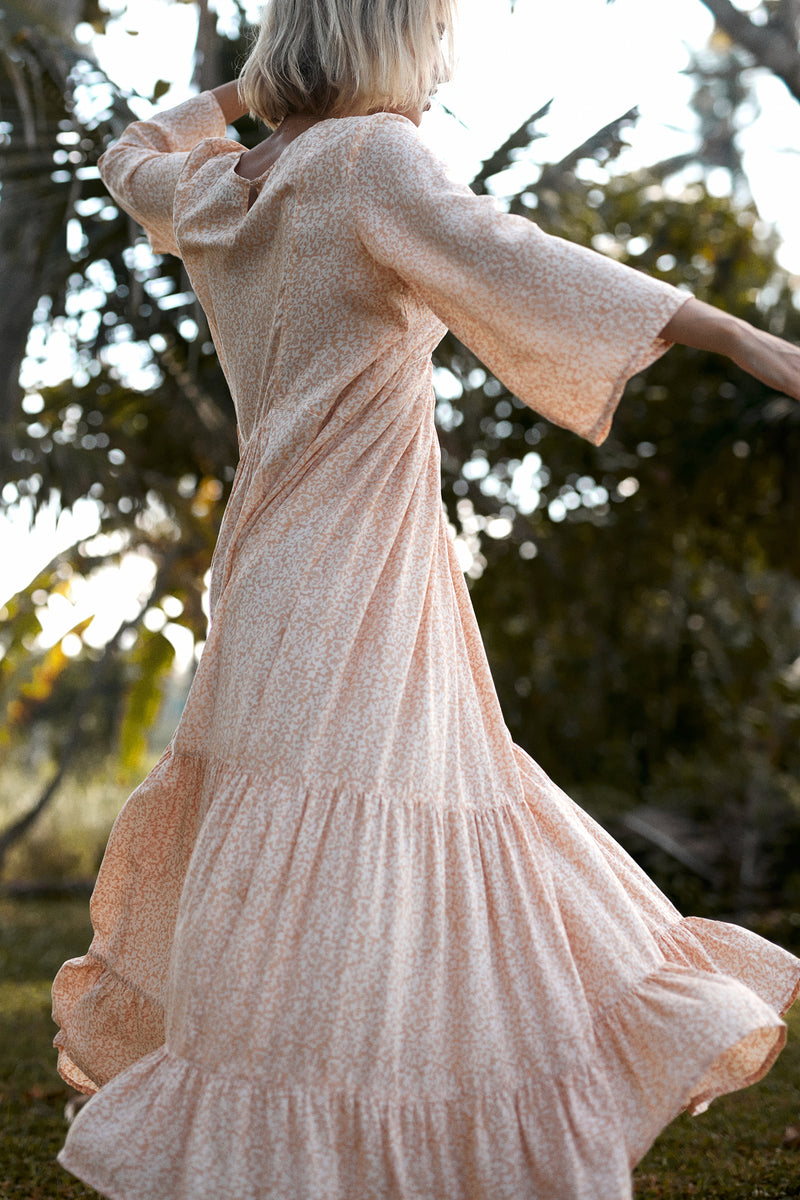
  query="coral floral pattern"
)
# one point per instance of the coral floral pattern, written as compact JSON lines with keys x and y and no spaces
{"x":351,"y":943}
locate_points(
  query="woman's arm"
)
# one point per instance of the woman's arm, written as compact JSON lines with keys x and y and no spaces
{"x":771,"y":359}
{"x":141,"y":170}
{"x":228,"y":98}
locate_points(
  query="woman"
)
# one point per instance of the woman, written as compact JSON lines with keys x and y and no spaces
{"x":352,"y":943}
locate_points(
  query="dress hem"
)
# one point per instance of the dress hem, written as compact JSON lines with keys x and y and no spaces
{"x":614,"y":1078}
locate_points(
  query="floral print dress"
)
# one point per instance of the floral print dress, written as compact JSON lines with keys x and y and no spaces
{"x":351,"y":943}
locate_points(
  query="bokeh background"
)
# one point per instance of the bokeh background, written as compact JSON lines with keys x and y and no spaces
{"x":640,"y":601}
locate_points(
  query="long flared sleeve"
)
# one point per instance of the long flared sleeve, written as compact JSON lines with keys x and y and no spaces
{"x":561,"y":325}
{"x":142,"y":168}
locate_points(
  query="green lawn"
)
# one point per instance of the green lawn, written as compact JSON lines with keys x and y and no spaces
{"x":732,"y":1152}
{"x":35,"y":938}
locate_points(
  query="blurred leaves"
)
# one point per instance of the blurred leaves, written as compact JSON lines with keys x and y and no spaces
{"x":142,"y":424}
{"x":770,"y":33}
{"x":639,"y":601}
{"x":148,"y":666}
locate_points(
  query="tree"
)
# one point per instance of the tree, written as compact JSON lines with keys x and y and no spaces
{"x":155,"y":449}
{"x":770,"y":34}
{"x":644,"y":646}
{"x":657,"y":684}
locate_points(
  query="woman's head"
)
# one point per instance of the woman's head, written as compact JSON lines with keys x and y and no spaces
{"x":337,"y":57}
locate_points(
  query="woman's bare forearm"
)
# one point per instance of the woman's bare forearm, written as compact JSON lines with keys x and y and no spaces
{"x":771,"y":359}
{"x":228,"y":98}
{"x":702,"y":326}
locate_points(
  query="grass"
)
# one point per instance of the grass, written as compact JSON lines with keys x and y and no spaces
{"x":35,"y":938}
{"x":732,"y":1152}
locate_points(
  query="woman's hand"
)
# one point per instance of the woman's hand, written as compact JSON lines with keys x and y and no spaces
{"x":771,"y":359}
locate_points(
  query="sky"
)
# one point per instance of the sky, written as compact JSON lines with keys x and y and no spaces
{"x":596,"y":61}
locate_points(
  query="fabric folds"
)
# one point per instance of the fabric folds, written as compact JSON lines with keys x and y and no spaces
{"x":413,"y":1059}
{"x":350,"y":942}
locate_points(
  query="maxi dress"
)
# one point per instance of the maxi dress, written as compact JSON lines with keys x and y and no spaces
{"x":352,"y":943}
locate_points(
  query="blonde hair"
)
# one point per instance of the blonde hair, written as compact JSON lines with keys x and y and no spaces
{"x":335,"y":57}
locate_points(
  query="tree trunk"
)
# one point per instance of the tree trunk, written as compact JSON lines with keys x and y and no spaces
{"x":206,"y":49}
{"x":774,"y":45}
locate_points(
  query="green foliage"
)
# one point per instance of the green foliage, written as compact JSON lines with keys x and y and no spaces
{"x":639,"y":601}
{"x":153,"y":657}
{"x":642,"y":620}
{"x":153,"y":448}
